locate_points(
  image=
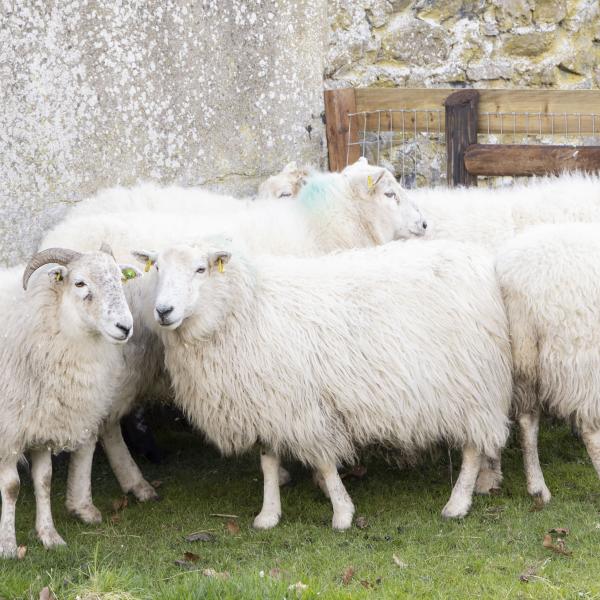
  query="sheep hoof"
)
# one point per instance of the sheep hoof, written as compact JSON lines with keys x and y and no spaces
{"x":8,"y":548}
{"x":342,"y":521}
{"x":456,"y":510}
{"x":144,"y":492}
{"x":542,"y":495}
{"x":284,"y":477}
{"x":266,"y":520}
{"x":50,"y":538}
{"x":87,"y":514}
{"x":487,"y":482}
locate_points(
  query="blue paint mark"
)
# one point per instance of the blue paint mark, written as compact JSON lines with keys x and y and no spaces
{"x":316,"y":192}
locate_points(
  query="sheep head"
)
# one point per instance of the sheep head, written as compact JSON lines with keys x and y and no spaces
{"x":89,"y":289}
{"x":383,"y":201}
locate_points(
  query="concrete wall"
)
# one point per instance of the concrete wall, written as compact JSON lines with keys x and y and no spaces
{"x":99,"y":92}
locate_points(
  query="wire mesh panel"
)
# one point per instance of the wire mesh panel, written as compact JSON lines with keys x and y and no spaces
{"x":412,"y":142}
{"x":409,"y":142}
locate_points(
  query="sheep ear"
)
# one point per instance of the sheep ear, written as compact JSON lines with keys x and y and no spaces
{"x":291,"y":166}
{"x":129,"y":272}
{"x":148,"y":257}
{"x":58,"y":273}
{"x":219,"y":259}
{"x":373,"y":182}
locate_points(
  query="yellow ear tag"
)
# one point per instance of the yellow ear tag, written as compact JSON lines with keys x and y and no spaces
{"x":58,"y":277}
{"x":220,"y":265}
{"x":369,"y":182}
{"x":148,"y":266}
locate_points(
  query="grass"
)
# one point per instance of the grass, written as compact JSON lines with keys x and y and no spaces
{"x":482,"y":556}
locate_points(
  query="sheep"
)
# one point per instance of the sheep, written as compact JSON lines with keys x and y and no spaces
{"x":549,"y":281}
{"x":334,"y":212}
{"x":61,"y":353}
{"x":315,"y":357}
{"x":151,"y":197}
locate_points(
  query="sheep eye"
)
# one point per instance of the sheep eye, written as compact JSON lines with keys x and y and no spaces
{"x":79,"y":284}
{"x":156,"y":266}
{"x":200,"y":269}
{"x":285,"y":195}
{"x":390,"y":194}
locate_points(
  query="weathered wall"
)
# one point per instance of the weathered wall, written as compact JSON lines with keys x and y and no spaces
{"x":479,"y":43}
{"x":99,"y":92}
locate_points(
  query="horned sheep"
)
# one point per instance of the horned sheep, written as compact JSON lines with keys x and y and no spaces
{"x":335,"y":212}
{"x":60,"y":353}
{"x":313,"y":358}
{"x":549,"y":281}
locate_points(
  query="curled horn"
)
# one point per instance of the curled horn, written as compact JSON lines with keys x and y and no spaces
{"x":106,"y":249}
{"x":60,"y":256}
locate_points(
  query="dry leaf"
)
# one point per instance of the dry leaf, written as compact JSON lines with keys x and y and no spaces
{"x":191,"y":557}
{"x":21,"y":552}
{"x":232,"y":527}
{"x":156,"y":483}
{"x":548,"y":543}
{"x":562,"y":531}
{"x":120,"y":504}
{"x":347,"y":575}
{"x":559,"y":546}
{"x":361,"y":522}
{"x":200,"y":536}
{"x":216,"y":574}
{"x":399,"y":562}
{"x":366,"y":584}
{"x":526,"y":575}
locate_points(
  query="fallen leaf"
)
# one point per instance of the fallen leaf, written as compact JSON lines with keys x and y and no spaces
{"x":191,"y":557}
{"x":548,"y":543}
{"x":215,"y":574}
{"x":232,"y":527}
{"x":347,"y":575}
{"x":559,"y":547}
{"x":21,"y":552}
{"x":526,"y":575}
{"x":366,"y":584}
{"x":156,"y":483}
{"x":399,"y":562}
{"x":46,"y":594}
{"x":361,"y":522}
{"x":120,"y":504}
{"x":200,"y":536}
{"x":560,"y":531}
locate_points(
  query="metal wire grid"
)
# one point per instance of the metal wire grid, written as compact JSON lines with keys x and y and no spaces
{"x":416,"y":151}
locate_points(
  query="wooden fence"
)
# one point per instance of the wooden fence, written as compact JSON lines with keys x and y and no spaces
{"x":464,"y":114}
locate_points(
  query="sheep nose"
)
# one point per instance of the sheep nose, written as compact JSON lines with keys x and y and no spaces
{"x":424,"y":224}
{"x":123,"y":328}
{"x":163,"y":311}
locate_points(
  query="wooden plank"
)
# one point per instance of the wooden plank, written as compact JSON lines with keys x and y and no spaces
{"x":461,"y":132}
{"x":338,"y":104}
{"x":515,"y":160}
{"x":540,"y":104}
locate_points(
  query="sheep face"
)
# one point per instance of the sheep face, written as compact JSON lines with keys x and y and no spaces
{"x":286,"y":184}
{"x":392,"y":212}
{"x":187,"y":278}
{"x":93,"y":298}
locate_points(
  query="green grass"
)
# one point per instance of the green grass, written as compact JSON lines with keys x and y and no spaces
{"x":479,"y":557}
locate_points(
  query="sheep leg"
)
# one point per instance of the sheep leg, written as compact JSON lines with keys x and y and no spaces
{"x":591,"y":439}
{"x":462,"y":494}
{"x":343,"y":509}
{"x":284,"y":476}
{"x":536,"y":486}
{"x":41,"y":472}
{"x":79,"y":485}
{"x":271,"y":509}
{"x":128,"y":474}
{"x":490,"y":475}
{"x":9,"y":488}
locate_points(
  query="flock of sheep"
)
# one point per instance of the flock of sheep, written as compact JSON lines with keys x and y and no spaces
{"x":331,"y":313}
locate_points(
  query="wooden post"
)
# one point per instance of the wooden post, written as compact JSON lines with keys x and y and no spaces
{"x":461,"y":132}
{"x":339,"y":129}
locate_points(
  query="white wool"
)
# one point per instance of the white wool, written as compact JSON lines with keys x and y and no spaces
{"x":492,"y":216}
{"x":314,"y":358}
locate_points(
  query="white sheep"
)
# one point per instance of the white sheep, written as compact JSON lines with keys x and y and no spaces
{"x":61,"y":354}
{"x":334,"y":212}
{"x":549,"y":280}
{"x":405,"y":345}
{"x":148,"y":197}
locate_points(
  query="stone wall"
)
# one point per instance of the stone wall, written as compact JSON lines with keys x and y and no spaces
{"x":476,"y":43}
{"x":96,"y":92}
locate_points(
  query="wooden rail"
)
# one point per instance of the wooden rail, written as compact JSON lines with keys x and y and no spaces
{"x":569,"y":113}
